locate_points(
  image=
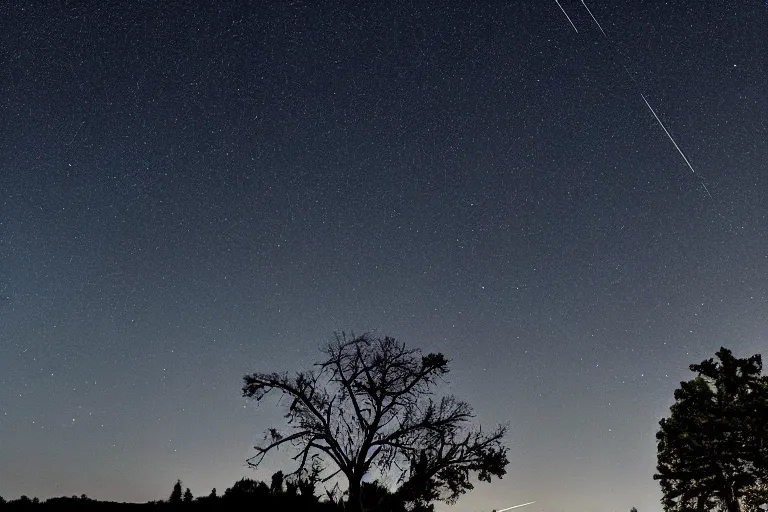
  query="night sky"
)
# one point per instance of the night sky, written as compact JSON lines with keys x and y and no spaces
{"x":189,"y":194}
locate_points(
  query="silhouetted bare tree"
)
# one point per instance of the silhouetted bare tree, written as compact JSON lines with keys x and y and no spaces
{"x":369,"y":404}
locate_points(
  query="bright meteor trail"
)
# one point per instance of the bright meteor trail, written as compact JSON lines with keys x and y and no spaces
{"x":516,"y":506}
{"x":566,"y":15}
{"x":593,"y":18}
{"x":675,"y":143}
{"x":669,"y":135}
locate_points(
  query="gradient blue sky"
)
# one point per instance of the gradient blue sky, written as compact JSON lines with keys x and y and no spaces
{"x":193,"y":193}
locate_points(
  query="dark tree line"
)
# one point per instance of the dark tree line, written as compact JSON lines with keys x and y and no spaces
{"x":368,"y":409}
{"x":246,"y":494}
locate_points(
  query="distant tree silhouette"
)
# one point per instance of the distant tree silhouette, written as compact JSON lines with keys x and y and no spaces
{"x":246,"y":487}
{"x":255,"y":495}
{"x":369,"y":405}
{"x":633,"y":509}
{"x":374,"y":495}
{"x":277,"y":482}
{"x":306,"y":488}
{"x":308,"y":480}
{"x":713,"y":449}
{"x":23,"y":503}
{"x":248,"y":495}
{"x":213,"y":493}
{"x":188,"y":496}
{"x":176,"y":495}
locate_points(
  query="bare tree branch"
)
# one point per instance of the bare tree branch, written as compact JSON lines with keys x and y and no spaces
{"x":369,"y":403}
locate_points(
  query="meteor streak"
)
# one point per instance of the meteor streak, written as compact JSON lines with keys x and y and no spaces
{"x":566,"y":15}
{"x":675,"y":143}
{"x":516,"y":506}
{"x":593,"y":18}
{"x":669,"y":135}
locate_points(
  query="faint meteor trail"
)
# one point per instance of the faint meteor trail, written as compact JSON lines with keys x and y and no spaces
{"x":593,"y":18}
{"x":675,"y":143}
{"x":569,"y":21}
{"x":516,"y":506}
{"x":75,"y":135}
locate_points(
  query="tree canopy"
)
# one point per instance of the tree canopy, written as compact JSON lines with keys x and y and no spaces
{"x":176,"y":494}
{"x":369,"y":405}
{"x":713,"y":449}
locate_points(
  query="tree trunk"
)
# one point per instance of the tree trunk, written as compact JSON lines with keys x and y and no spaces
{"x":726,"y":484}
{"x":732,"y":505}
{"x":729,"y":497}
{"x":354,"y":501}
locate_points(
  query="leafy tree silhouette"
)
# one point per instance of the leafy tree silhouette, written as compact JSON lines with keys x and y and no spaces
{"x":277,"y":483}
{"x":307,"y":482}
{"x":188,"y":496}
{"x":369,"y":404}
{"x":756,"y":497}
{"x":713,"y":449}
{"x":376,"y":496}
{"x":23,"y":503}
{"x":213,"y":493}
{"x":176,"y":496}
{"x":245,"y":488}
